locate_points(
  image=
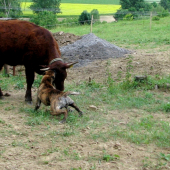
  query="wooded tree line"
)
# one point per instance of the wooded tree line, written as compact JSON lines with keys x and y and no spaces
{"x":132,"y":9}
{"x":45,"y":10}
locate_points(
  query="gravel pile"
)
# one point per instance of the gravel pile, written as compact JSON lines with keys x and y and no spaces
{"x":90,"y":48}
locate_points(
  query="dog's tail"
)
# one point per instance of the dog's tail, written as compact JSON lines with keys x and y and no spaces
{"x":71,"y":93}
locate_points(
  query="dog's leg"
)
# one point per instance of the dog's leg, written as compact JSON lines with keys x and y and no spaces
{"x":65,"y":116}
{"x":38,"y":103}
{"x":59,"y":112}
{"x":78,"y":110}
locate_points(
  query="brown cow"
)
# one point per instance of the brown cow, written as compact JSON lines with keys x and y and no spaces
{"x":50,"y":96}
{"x":24,"y":43}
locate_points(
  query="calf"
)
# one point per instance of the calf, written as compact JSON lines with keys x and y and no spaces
{"x":49,"y":95}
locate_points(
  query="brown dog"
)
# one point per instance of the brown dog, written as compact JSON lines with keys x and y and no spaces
{"x":49,"y":95}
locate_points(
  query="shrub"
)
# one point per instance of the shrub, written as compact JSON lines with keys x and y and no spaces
{"x":160,"y":11}
{"x":46,"y":19}
{"x":84,"y":18}
{"x":120,"y":14}
{"x":128,"y":17}
{"x":164,"y":13}
{"x":10,"y":9}
{"x":155,"y":18}
{"x":2,"y":15}
{"x":154,"y":4}
{"x":70,"y":21}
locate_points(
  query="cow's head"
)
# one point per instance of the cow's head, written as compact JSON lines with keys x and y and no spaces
{"x":60,"y":73}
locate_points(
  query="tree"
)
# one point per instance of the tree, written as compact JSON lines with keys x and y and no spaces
{"x":46,"y":19}
{"x":137,"y":4}
{"x":133,"y":7}
{"x":45,"y":12}
{"x":46,"y":5}
{"x":95,"y":14}
{"x":84,"y":18}
{"x":10,"y":8}
{"x":165,"y":4}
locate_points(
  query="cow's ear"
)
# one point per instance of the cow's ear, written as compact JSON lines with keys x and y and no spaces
{"x":69,"y":65}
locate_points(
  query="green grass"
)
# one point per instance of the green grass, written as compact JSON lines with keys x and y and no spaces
{"x":16,"y":81}
{"x":122,"y":96}
{"x":145,"y":131}
{"x":129,"y":34}
{"x":115,"y":96}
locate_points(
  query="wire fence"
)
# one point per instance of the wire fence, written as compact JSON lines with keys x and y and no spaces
{"x":73,"y":20}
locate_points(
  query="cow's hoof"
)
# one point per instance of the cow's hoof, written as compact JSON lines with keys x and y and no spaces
{"x":7,"y":95}
{"x":28,"y":102}
{"x":1,"y":97}
{"x":63,"y":121}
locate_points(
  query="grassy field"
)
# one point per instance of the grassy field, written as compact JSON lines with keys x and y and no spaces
{"x":132,"y":118}
{"x":133,"y":33}
{"x":68,"y":9}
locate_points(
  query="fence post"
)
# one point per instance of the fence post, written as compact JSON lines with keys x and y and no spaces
{"x":91,"y":23}
{"x":150,"y":20}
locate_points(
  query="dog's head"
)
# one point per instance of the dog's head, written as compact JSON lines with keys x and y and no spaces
{"x":51,"y":75}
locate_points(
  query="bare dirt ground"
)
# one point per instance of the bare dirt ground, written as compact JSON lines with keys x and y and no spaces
{"x":108,"y":18}
{"x":43,"y":147}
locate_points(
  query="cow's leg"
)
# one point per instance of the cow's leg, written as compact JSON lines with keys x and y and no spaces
{"x":6,"y":69}
{"x":30,"y":79}
{"x":78,"y":110}
{"x":13,"y":70}
{"x":1,"y":94}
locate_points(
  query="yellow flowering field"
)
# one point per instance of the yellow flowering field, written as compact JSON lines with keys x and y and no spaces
{"x":76,"y":9}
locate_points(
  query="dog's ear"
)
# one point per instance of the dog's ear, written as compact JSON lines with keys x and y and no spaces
{"x":44,"y":73}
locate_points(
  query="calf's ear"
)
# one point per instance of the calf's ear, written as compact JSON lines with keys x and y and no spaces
{"x":69,"y":65}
